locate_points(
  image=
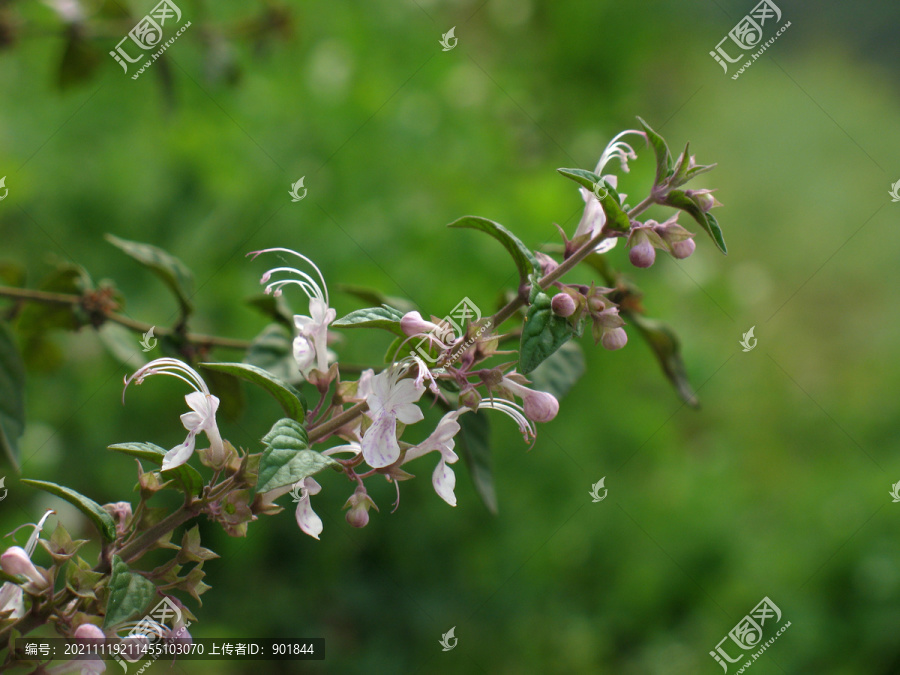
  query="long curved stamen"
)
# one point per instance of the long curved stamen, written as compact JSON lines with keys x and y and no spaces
{"x":324,"y":286}
{"x":306,"y":282}
{"x":515,"y":411}
{"x":168,"y":366}
{"x":618,"y":149}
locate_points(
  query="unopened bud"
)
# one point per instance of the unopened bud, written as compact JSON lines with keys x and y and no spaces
{"x":88,"y":631}
{"x":359,"y":504}
{"x":412,"y":323}
{"x":642,"y":254}
{"x":613,"y":339}
{"x":16,"y":561}
{"x":683,"y":249}
{"x":563,"y":304}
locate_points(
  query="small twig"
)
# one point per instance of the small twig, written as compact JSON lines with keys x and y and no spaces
{"x":30,"y":295}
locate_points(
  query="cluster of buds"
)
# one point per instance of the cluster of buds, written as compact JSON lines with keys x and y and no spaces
{"x":575,"y":301}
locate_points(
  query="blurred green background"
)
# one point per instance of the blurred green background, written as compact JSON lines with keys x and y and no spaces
{"x":777,"y":487}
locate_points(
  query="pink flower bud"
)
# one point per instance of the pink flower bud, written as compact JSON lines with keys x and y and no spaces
{"x":683,"y":249}
{"x":642,"y":254}
{"x":15,"y":561}
{"x":359,"y":504}
{"x":563,"y":304}
{"x":412,"y":323}
{"x":88,"y":631}
{"x":540,"y":406}
{"x":358,"y":516}
{"x":613,"y":339}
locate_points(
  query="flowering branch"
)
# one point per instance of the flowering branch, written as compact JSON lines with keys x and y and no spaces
{"x":359,"y":428}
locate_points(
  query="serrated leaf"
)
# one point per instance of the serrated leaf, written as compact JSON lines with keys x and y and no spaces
{"x":560,"y":371}
{"x":525,"y":260}
{"x":130,"y":594}
{"x":286,"y":394}
{"x":667,"y":349}
{"x":661,"y":150}
{"x":680,"y":200}
{"x":12,"y":395}
{"x":616,"y":218}
{"x":474,"y":444}
{"x":542,"y":334}
{"x":187,"y":477}
{"x":385,"y":317}
{"x":167,"y":267}
{"x":272,"y":350}
{"x":101,"y":519}
{"x":287,"y":458}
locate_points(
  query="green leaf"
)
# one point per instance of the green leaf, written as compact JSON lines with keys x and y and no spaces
{"x":228,"y":388}
{"x":287,"y":395}
{"x":560,"y":371}
{"x":130,"y":594}
{"x":385,"y":317}
{"x":287,"y":458}
{"x":474,"y":444}
{"x":101,"y":519}
{"x":186,"y":476}
{"x":38,"y":318}
{"x":79,"y":61}
{"x":122,"y":345}
{"x":661,"y":149}
{"x":525,"y":260}
{"x":12,"y":395}
{"x":375,"y":297}
{"x":667,"y":349}
{"x":616,"y":218}
{"x":272,"y":350}
{"x":12,"y":274}
{"x":273,"y":306}
{"x":680,"y":200}
{"x":167,"y":267}
{"x":542,"y":334}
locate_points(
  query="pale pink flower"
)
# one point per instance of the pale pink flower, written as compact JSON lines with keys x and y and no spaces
{"x":311,"y":344}
{"x":391,"y":398}
{"x":200,"y":401}
{"x":441,"y":440}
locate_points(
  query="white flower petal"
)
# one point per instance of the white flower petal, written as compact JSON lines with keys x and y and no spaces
{"x":444,"y":481}
{"x":307,"y":519}
{"x":180,"y":453}
{"x":379,"y":445}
